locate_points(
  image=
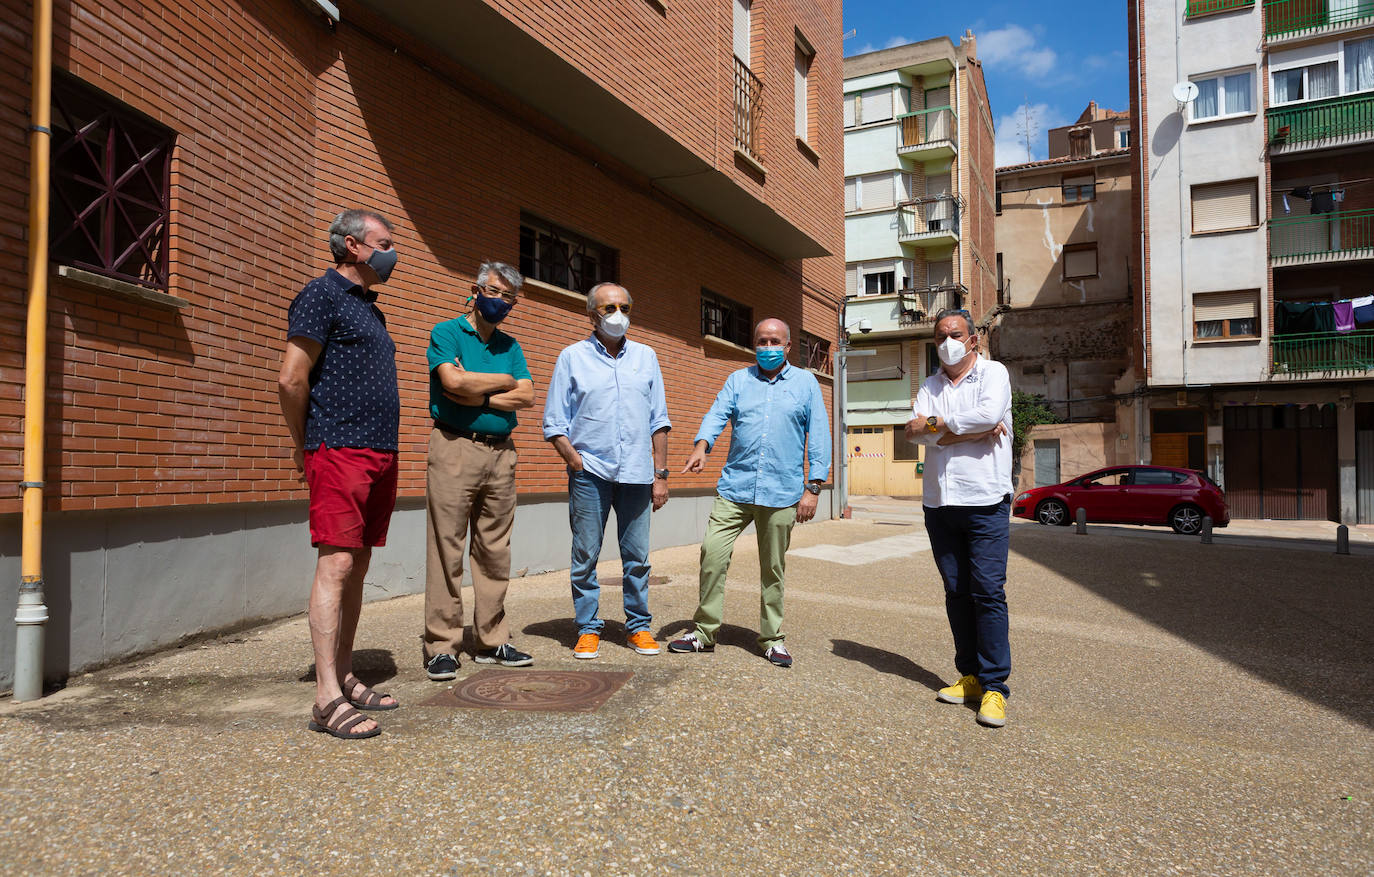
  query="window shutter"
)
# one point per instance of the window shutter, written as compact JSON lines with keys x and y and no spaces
{"x":877,"y":105}
{"x":849,"y":101}
{"x":885,"y":364}
{"x":940,"y":273}
{"x":937,"y":97}
{"x":799,"y":92}
{"x":877,"y":190}
{"x":851,"y":280}
{"x":851,"y":187}
{"x":1242,"y":305}
{"x":1225,"y":205}
{"x":742,"y":30}
{"x":1080,"y":263}
{"x":905,"y":192}
{"x":1085,"y":180}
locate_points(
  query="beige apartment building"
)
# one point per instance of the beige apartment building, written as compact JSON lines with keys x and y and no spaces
{"x":1065,"y":247}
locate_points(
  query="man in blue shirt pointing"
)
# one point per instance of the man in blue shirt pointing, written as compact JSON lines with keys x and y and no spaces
{"x":779,"y":422}
{"x":607,"y":416}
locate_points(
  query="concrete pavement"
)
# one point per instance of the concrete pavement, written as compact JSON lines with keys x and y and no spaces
{"x":1176,"y":708}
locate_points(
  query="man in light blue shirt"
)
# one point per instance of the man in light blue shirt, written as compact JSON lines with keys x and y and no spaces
{"x":607,"y":416}
{"x":779,"y":423}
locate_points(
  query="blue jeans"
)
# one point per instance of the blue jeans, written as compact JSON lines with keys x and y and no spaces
{"x":590,"y":500}
{"x":970,"y":545}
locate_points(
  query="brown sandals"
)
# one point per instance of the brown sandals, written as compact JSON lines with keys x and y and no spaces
{"x":368,"y":699}
{"x":342,"y":727}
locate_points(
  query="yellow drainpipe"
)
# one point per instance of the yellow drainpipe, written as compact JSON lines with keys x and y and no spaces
{"x":32,"y":613}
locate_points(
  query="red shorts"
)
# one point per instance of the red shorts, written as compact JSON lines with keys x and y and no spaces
{"x":352,"y":493}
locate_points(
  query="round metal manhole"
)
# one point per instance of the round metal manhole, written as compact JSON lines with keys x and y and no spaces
{"x":533,"y":690}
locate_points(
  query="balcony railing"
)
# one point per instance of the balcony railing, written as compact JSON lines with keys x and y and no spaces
{"x":921,"y":305}
{"x":934,"y":216}
{"x":1283,"y":17}
{"x":1321,"y":120}
{"x":928,"y":126}
{"x":748,"y":110}
{"x":1206,"y":7}
{"x":1343,"y":352}
{"x":1346,"y":232}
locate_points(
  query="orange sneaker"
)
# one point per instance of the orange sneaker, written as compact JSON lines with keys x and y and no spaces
{"x":588,"y":646}
{"x":643,"y":642}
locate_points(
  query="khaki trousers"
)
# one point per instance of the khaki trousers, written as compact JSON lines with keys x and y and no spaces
{"x":469,"y":487}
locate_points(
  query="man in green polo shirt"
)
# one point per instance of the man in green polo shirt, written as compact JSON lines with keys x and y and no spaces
{"x":478,"y":379}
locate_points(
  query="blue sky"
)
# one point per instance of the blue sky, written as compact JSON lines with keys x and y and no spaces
{"x":1052,"y":57}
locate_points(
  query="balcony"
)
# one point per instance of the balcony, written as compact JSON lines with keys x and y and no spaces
{"x":1343,"y":236}
{"x":919,"y":306}
{"x":748,"y":110}
{"x":1326,"y":353}
{"x":1335,"y":121}
{"x":1207,"y":7}
{"x":899,"y":313}
{"x":931,"y":221}
{"x":927,"y":135}
{"x":1288,"y":19}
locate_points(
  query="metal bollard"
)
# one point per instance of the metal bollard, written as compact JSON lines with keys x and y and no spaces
{"x":1081,"y":517}
{"x":1206,"y":529}
{"x":1342,"y":539}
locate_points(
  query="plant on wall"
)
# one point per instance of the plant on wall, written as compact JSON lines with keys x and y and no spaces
{"x":1027,"y":410}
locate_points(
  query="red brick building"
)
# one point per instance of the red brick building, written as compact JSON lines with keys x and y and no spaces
{"x":690,"y":151}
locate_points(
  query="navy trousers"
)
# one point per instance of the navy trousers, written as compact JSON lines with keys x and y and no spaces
{"x":970,"y":545}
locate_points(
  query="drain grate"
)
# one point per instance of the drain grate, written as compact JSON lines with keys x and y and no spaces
{"x":533,"y":690}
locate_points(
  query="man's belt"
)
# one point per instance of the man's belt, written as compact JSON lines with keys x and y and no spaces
{"x":485,"y":438}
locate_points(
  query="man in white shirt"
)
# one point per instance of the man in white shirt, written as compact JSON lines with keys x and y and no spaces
{"x":963,"y":413}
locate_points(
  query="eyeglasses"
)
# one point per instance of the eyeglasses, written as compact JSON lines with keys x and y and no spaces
{"x":492,"y":292}
{"x":609,"y":309}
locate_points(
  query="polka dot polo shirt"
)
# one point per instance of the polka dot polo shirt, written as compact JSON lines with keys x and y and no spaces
{"x":354,"y":402}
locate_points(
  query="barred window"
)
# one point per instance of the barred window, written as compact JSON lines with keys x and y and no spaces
{"x":813,"y":352}
{"x":726,"y":319}
{"x":111,"y":174}
{"x":552,"y":254}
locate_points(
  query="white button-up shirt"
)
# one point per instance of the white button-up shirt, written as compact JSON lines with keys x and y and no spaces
{"x":974,"y":473}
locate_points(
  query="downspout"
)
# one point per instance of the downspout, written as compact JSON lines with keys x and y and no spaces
{"x":32,"y":613}
{"x":839,"y":497}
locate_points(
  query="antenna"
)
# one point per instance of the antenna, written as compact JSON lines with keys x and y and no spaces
{"x":849,"y":33}
{"x":1027,"y":128}
{"x":1185,"y":93}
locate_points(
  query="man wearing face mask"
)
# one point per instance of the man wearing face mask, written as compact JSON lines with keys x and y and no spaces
{"x":478,"y":379}
{"x":338,"y":393}
{"x":963,"y":413}
{"x":607,"y":416}
{"x":778,"y":423}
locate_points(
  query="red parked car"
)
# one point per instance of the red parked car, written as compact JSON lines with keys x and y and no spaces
{"x":1129,"y":495}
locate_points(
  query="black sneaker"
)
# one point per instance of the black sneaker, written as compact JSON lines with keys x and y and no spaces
{"x":441,"y":668}
{"x":690,"y":642}
{"x":506,"y":656}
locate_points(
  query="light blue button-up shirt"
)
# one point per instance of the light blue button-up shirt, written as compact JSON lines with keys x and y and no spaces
{"x":776,"y":423}
{"x":609,"y":407}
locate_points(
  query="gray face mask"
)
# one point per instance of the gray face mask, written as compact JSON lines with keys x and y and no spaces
{"x":382,"y":262}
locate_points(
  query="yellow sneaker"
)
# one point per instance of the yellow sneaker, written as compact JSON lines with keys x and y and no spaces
{"x":963,"y":691}
{"x":993,"y":712}
{"x":643,"y":642}
{"x":588,"y":646}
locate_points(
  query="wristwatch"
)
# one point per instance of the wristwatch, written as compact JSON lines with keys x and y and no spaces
{"x":813,"y":488}
{"x":661,"y":473}
{"x":931,"y":423}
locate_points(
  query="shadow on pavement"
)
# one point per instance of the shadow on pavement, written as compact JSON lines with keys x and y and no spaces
{"x":728,"y":635}
{"x":1296,"y":621}
{"x":886,"y":662}
{"x":372,"y":666}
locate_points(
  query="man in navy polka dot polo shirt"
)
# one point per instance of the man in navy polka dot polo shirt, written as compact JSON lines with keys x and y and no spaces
{"x":339,"y":396}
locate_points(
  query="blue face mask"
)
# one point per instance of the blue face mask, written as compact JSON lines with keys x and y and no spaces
{"x":770,"y":358}
{"x":493,"y":309}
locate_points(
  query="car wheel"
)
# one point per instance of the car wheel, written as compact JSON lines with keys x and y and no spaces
{"x":1186,"y":519}
{"x":1053,"y":513}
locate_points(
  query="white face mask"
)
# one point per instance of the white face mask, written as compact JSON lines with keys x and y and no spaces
{"x":616,"y":325}
{"x":952,"y":351}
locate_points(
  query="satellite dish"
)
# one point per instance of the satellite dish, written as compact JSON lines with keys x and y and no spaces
{"x":1185,"y":92}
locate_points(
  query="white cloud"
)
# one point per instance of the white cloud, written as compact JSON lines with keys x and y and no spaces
{"x":895,"y":41}
{"x":1016,"y":48}
{"x":1011,"y":137}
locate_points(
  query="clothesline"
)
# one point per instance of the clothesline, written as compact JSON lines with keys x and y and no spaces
{"x":1302,"y":317}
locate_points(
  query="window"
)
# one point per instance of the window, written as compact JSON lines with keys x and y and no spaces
{"x":1225,"y":94}
{"x":1226,"y":314}
{"x":726,"y":319}
{"x":555,"y":255}
{"x":1080,"y":260}
{"x":1081,"y":143}
{"x":1079,"y":188}
{"x":1313,"y":82}
{"x":884,"y":365}
{"x":876,"y":278}
{"x":999,"y":199}
{"x":1359,"y":65}
{"x":111,"y":175}
{"x":1001,"y":282}
{"x":801,"y":90}
{"x":880,"y":283}
{"x":1225,"y":206}
{"x":742,"y":30}
{"x":1123,"y":138}
{"x":880,"y":191}
{"x":1157,"y":477}
{"x":813,"y":353}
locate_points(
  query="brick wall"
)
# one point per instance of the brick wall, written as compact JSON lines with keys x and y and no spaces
{"x":280,"y":124}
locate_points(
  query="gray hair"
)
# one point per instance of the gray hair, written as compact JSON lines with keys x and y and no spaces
{"x":605,"y":284}
{"x":351,"y":224}
{"x":514,"y":279}
{"x":957,"y":312}
{"x":775,"y":320}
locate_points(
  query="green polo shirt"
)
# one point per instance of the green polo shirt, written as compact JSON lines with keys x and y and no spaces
{"x":456,"y":341}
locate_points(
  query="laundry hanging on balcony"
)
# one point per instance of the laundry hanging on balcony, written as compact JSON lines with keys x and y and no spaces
{"x":1364,"y":310}
{"x":1303,"y":317}
{"x":1323,"y":202}
{"x":1344,"y":313}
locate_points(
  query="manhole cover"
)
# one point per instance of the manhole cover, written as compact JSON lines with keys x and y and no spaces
{"x":532,"y":690}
